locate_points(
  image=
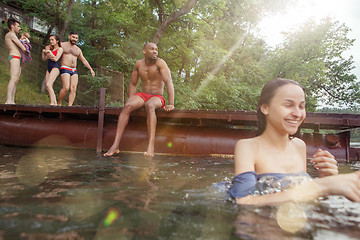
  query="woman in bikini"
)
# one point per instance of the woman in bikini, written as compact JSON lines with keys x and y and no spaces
{"x":53,"y":54}
{"x":271,"y":168}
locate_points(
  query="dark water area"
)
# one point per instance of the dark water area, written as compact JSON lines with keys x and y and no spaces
{"x":49,"y":193}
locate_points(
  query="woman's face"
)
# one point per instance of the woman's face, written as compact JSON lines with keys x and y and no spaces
{"x":286,"y":110}
{"x":53,"y":41}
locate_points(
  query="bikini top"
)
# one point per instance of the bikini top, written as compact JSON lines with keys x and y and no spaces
{"x":55,"y":52}
{"x":250,"y":183}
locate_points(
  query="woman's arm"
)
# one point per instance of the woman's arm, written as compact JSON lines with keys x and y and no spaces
{"x":44,"y":55}
{"x":244,"y":156}
{"x":58,"y":55}
{"x":347,"y":185}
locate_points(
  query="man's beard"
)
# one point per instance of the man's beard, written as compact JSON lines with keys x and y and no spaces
{"x":73,"y":42}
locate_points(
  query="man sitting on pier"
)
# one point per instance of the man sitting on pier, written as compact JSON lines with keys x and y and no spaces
{"x":154,"y":74}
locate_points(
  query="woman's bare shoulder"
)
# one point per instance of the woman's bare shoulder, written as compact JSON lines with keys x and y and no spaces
{"x":245,"y":155}
{"x":248,"y":146}
{"x":250,"y":141}
{"x":298,"y":142}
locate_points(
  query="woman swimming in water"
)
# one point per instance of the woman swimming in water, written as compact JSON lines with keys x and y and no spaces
{"x":53,"y":54}
{"x":271,"y":168}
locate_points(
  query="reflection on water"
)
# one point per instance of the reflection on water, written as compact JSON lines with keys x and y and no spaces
{"x":48,"y":193}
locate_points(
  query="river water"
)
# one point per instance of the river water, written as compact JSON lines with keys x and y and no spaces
{"x":50,"y":193}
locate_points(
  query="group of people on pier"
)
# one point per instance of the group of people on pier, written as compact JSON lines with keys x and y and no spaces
{"x":153,"y":72}
{"x":67,"y":53}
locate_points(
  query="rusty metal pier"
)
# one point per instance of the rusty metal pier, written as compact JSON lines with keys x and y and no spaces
{"x":180,"y":132}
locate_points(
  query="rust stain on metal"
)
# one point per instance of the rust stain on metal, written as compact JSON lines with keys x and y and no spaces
{"x":188,"y":132}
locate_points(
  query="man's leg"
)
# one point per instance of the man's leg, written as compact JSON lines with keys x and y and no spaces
{"x":65,"y":78}
{"x":151,"y":105}
{"x":74,"y":79}
{"x":133,"y":103}
{"x":15,"y":71}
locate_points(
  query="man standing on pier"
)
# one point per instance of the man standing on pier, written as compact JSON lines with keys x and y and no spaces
{"x":68,"y":72}
{"x":154,"y":74}
{"x":15,"y":46}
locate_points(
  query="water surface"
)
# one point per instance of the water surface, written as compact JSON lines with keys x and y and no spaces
{"x":49,"y":193}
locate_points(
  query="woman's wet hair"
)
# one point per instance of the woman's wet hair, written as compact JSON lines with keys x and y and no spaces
{"x":57,"y":38}
{"x":267,"y":93}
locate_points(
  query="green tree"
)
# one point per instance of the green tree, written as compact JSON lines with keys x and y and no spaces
{"x":313,"y":55}
{"x":212,"y":48}
{"x":56,"y":14}
{"x":218,"y":51}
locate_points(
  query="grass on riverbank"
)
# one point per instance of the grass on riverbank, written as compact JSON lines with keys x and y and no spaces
{"x":27,"y":92}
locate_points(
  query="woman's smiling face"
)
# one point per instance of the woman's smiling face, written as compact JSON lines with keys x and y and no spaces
{"x":286,"y":110}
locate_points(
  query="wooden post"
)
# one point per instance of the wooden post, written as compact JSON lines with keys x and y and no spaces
{"x":347,"y":147}
{"x":100,"y":129}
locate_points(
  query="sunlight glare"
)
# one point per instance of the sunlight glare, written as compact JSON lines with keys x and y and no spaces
{"x":271,"y":27}
{"x":291,"y":217}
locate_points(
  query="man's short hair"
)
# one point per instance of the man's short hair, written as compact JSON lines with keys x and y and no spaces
{"x":73,"y":33}
{"x":12,"y":21}
{"x":147,"y":43}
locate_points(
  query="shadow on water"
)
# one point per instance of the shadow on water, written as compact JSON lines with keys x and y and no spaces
{"x":49,"y":193}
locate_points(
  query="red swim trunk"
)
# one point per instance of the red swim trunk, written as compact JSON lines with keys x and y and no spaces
{"x":147,"y":96}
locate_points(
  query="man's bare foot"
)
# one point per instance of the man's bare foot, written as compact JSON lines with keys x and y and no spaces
{"x":146,"y":154}
{"x":150,"y":151}
{"x":110,"y":153}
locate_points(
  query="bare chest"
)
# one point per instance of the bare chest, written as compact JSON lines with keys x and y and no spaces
{"x":71,"y":50}
{"x":275,"y":162}
{"x":9,"y":42}
{"x":149,"y":72}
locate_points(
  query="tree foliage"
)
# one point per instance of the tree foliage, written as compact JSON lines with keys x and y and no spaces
{"x":213,"y":49}
{"x":313,"y":55}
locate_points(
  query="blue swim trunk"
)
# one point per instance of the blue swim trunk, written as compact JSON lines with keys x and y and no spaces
{"x":67,"y":70}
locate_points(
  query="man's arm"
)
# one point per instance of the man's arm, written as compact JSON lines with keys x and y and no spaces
{"x":134,"y":79}
{"x":166,"y":76}
{"x":17,"y":42}
{"x":86,"y":63}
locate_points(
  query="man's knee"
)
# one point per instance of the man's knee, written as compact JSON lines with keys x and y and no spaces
{"x":151,"y":106}
{"x":73,"y":89}
{"x":14,"y":79}
{"x":129,"y":107}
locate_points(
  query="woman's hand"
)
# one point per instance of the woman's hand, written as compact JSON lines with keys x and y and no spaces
{"x":325,"y":163}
